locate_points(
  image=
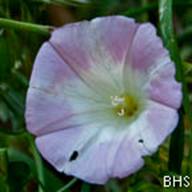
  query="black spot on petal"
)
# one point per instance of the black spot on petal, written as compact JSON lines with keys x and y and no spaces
{"x":141,"y":141}
{"x":74,"y":156}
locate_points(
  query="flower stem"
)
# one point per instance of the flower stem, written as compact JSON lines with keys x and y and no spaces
{"x":38,"y":162}
{"x":177,"y":138}
{"x":24,"y":26}
{"x":68,"y":185}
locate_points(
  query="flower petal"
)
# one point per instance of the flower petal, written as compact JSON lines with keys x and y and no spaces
{"x":126,"y":157}
{"x":58,"y":148}
{"x":54,"y":92}
{"x":49,"y":70}
{"x":155,"y":124}
{"x":115,"y":151}
{"x":163,"y":87}
{"x":147,"y":48}
{"x":66,"y":58}
{"x":47,"y":106}
{"x":88,"y":51}
{"x":86,"y":43}
{"x":97,"y":161}
{"x":148,"y":56}
{"x":116,"y":33}
{"x":69,"y":100}
{"x":46,"y":112}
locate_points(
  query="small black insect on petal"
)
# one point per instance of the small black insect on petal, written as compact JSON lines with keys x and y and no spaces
{"x":74,"y":156}
{"x":141,"y":141}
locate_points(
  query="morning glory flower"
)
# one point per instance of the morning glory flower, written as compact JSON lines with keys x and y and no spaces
{"x":102,"y":95}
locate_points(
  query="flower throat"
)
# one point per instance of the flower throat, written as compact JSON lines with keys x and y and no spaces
{"x":124,"y":106}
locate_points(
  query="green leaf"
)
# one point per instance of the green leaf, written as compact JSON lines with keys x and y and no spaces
{"x":4,"y":112}
{"x":3,"y":186}
{"x":5,"y":59}
{"x":14,"y":101}
{"x":85,"y":187}
{"x":113,"y":186}
{"x":15,"y":156}
{"x":18,"y":174}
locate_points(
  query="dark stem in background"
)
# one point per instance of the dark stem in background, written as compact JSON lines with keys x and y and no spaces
{"x":177,"y":139}
{"x":152,"y":6}
{"x":4,"y":169}
{"x":176,"y":147}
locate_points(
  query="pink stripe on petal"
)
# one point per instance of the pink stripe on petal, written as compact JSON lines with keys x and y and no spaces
{"x":68,"y":41}
{"x":148,"y":55}
{"x":116,"y":34}
{"x":125,"y":157}
{"x":46,"y":112}
{"x":49,"y":70}
{"x":95,"y":42}
{"x":147,"y":48}
{"x":163,"y":87}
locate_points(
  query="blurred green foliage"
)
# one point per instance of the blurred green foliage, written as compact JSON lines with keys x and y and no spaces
{"x":19,"y":159}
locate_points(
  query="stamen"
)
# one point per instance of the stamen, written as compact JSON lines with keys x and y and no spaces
{"x":116,"y":100}
{"x":121,"y":112}
{"x":124,"y":105}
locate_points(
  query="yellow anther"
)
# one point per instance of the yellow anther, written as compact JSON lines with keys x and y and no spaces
{"x":125,"y":105}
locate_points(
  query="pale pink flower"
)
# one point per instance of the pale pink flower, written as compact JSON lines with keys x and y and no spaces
{"x":102,"y":95}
